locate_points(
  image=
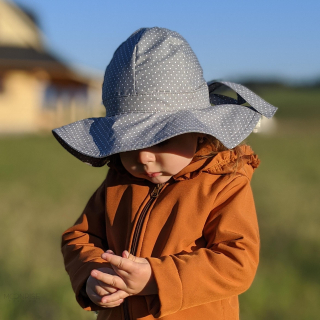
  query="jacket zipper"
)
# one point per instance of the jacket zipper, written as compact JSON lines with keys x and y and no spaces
{"x":154,"y":194}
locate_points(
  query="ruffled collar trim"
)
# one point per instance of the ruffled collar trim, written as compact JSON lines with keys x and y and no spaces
{"x":225,"y":162}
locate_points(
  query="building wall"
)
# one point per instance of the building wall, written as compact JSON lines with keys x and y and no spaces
{"x":68,"y":104}
{"x":25,"y":109}
{"x":24,"y":102}
{"x":20,"y":102}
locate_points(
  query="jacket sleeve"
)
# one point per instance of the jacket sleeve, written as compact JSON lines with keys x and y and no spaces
{"x":224,"y":268}
{"x":83,"y":244}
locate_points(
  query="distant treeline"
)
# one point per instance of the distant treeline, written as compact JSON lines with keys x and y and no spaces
{"x":256,"y":84}
{"x":260,"y":83}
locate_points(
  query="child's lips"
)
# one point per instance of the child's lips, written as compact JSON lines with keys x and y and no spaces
{"x":153,"y":174}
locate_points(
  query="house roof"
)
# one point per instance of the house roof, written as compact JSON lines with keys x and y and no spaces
{"x":26,"y":58}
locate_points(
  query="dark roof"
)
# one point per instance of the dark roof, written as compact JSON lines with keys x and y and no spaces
{"x":21,"y":53}
{"x":32,"y":59}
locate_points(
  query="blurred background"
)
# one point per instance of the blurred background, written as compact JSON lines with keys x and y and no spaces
{"x":52,"y":58}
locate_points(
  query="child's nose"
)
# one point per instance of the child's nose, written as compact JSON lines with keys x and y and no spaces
{"x":146,"y":156}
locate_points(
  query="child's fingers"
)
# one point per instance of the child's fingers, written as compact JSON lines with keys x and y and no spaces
{"x":104,"y":289}
{"x":98,"y":300}
{"x":100,"y":288}
{"x":120,"y":263}
{"x":109,"y":280}
{"x":112,"y":304}
{"x":109,"y":289}
{"x":113,"y":298}
{"x":127,"y":255}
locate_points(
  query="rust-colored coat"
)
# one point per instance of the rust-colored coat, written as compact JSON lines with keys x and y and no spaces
{"x":200,"y":236}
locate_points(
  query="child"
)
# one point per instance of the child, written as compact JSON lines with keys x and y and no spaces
{"x":172,"y":231}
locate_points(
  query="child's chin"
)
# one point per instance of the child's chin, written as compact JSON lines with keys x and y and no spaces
{"x":159,"y":179}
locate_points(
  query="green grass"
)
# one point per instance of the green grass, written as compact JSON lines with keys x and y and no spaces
{"x":286,"y":189}
{"x":43,"y":190}
{"x":293,"y":103}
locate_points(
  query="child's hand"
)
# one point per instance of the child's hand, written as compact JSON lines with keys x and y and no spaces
{"x":97,"y":290}
{"x":134,"y":276}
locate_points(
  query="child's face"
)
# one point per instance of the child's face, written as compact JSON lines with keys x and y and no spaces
{"x":162,"y":161}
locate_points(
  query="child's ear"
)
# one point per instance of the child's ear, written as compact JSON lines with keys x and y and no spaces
{"x":200,"y":141}
{"x":200,"y":137}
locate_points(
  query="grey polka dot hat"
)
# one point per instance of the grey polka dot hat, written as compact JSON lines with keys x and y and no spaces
{"x":153,"y":90}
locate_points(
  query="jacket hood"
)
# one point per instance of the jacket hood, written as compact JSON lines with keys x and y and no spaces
{"x":225,"y":162}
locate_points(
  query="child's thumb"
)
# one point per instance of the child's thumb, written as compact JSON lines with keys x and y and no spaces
{"x":126,"y":254}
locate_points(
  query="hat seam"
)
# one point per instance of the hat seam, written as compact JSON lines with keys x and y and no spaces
{"x":134,"y":68}
{"x":154,"y":94}
{"x":153,"y":111}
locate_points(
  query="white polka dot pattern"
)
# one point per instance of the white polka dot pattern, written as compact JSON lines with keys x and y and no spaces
{"x":153,"y":90}
{"x":155,"y":70}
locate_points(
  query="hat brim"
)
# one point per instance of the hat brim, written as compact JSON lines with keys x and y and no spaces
{"x":93,"y":140}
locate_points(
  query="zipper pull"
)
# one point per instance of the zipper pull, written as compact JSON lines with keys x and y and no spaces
{"x":155,"y":192}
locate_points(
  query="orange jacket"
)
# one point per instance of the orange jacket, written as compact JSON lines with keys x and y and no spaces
{"x":199,"y":234}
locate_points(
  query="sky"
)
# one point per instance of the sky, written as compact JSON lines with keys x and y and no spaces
{"x":235,"y":39}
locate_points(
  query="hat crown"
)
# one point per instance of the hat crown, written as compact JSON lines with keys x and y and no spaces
{"x":148,"y":69}
{"x":154,"y":90}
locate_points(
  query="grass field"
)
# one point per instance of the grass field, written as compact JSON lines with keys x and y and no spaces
{"x":43,"y":190}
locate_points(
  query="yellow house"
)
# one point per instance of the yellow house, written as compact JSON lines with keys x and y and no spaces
{"x":38,"y":91}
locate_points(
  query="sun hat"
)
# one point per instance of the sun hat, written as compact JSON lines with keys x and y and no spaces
{"x":154,"y":90}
